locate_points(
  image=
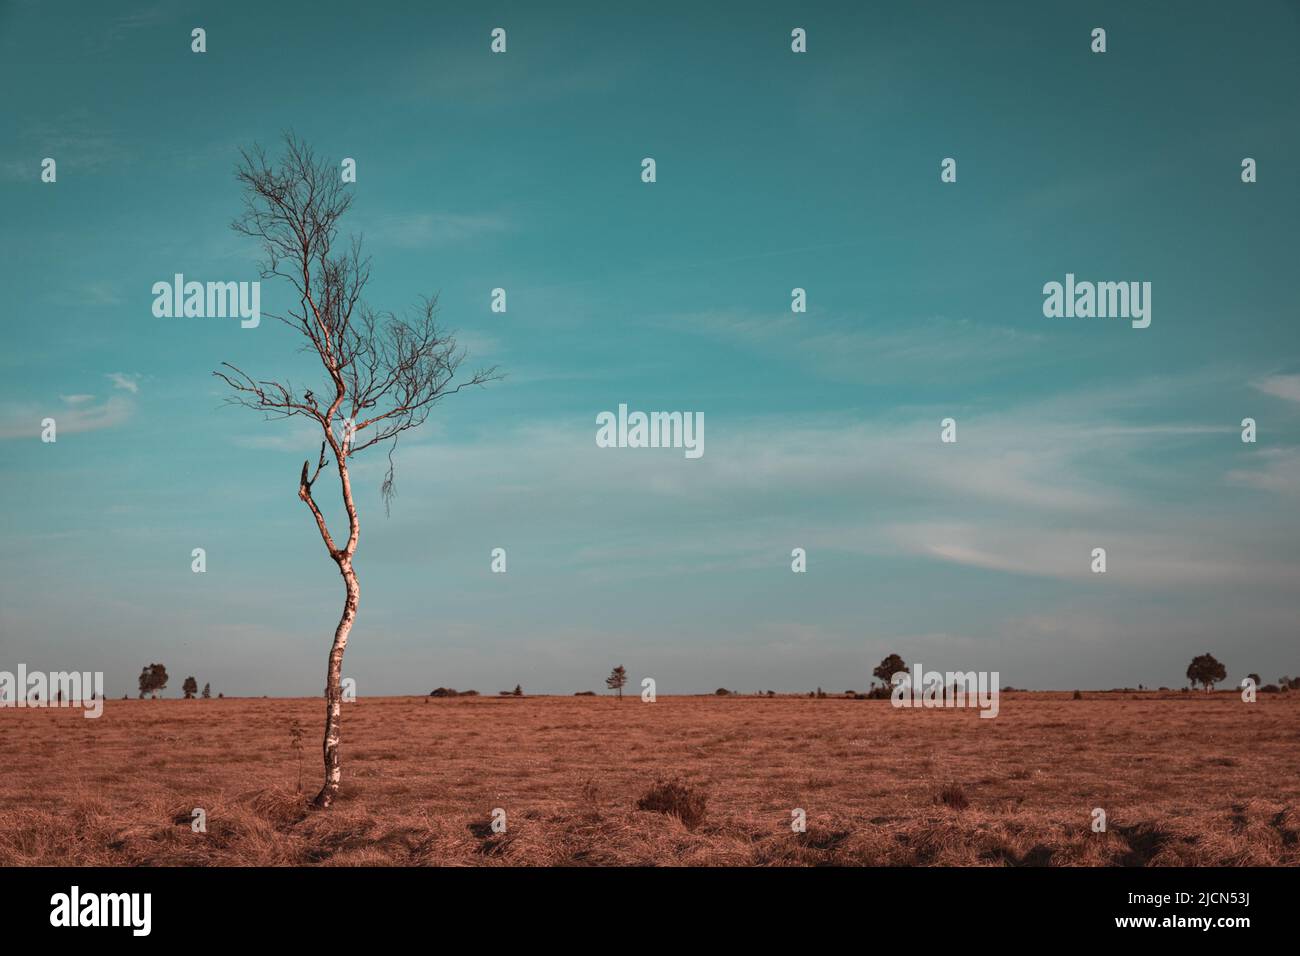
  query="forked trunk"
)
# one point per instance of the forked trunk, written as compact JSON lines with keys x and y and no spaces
{"x":334,"y":689}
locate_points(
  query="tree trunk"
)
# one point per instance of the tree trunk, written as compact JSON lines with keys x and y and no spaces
{"x":343,"y":558}
{"x":334,"y":689}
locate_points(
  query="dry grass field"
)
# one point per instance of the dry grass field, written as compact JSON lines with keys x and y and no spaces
{"x":1184,"y":779}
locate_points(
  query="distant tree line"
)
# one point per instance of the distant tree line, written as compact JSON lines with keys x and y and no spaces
{"x":153,"y":679}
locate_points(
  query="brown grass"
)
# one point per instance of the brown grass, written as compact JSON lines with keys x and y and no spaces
{"x":677,"y":799}
{"x":1185,"y":779}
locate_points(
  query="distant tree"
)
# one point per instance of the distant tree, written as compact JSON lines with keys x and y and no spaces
{"x":153,"y":679}
{"x":617,"y":679}
{"x":1206,"y":671}
{"x":887,"y":668}
{"x":207,"y":691}
{"x":519,"y":691}
{"x":190,"y":688}
{"x":220,"y":696}
{"x":1256,"y":678}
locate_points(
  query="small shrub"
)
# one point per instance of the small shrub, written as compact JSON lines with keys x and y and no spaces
{"x":1078,"y":696}
{"x":722,"y":692}
{"x":953,"y":796}
{"x":295,"y":741}
{"x":585,"y":693}
{"x":677,"y":799}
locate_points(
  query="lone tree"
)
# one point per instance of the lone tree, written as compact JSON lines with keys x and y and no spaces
{"x":887,"y":668}
{"x":153,"y":678}
{"x":207,"y":692}
{"x":190,"y":688}
{"x":381,"y":374}
{"x":1206,"y":671}
{"x":616,"y":680}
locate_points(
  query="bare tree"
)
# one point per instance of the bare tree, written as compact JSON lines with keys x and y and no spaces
{"x":382,"y":374}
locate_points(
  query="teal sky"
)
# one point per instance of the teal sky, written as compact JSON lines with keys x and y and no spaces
{"x":775,"y":170}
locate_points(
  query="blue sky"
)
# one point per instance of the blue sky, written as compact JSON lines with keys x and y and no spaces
{"x":775,"y":170}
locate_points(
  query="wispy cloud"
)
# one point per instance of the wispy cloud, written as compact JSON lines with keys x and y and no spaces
{"x":1281,"y":386}
{"x":127,"y":381}
{"x":90,"y":294}
{"x":298,"y":436}
{"x":74,"y":140}
{"x":124,"y":24}
{"x":1029,"y":490}
{"x":1278,"y":470}
{"x":1146,"y":559}
{"x":416,"y":230}
{"x":78,"y":414}
{"x":935,"y":348}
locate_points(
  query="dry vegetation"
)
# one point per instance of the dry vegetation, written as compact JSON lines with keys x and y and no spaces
{"x":1188,"y":779}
